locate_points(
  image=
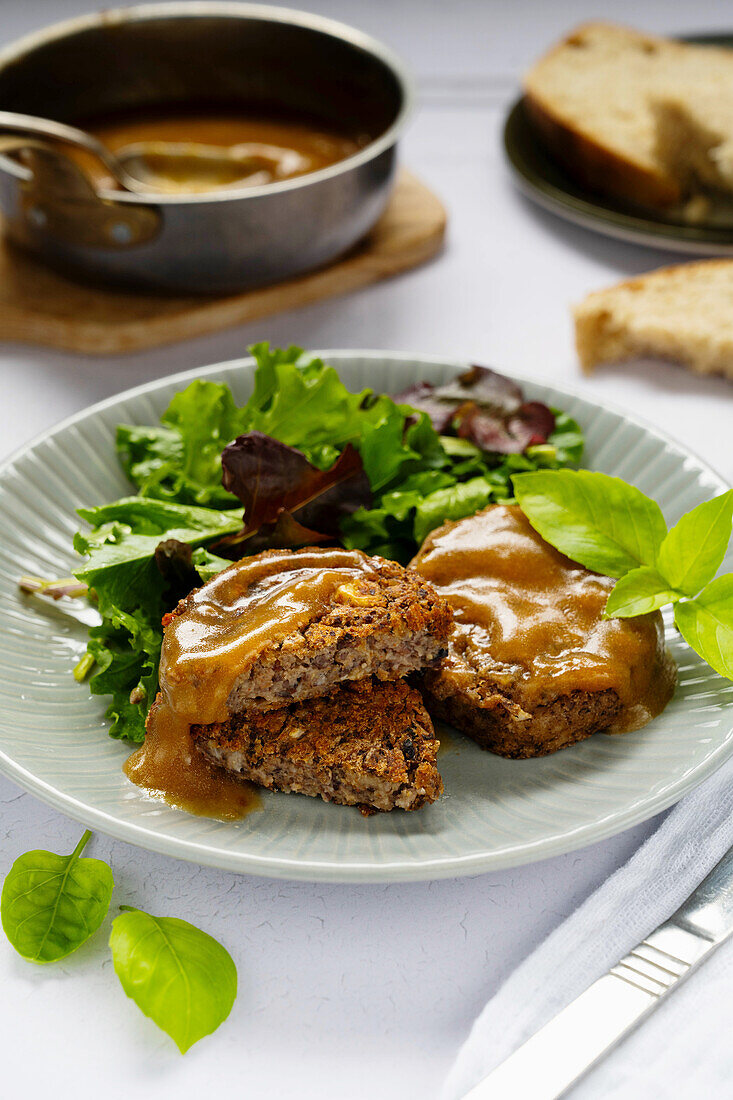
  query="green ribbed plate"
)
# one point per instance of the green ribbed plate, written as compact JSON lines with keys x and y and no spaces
{"x":495,"y":812}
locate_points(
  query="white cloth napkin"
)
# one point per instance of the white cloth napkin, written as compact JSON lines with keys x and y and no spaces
{"x":684,"y":1049}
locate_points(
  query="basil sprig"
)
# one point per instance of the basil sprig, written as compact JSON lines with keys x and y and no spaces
{"x":611,"y":527}
{"x":179,"y":976}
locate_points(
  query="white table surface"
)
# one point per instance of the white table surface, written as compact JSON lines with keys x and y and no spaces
{"x":354,"y":991}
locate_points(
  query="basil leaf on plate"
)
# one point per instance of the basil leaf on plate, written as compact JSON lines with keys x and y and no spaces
{"x":638,"y":592}
{"x":52,"y":904}
{"x":706,"y":624}
{"x":179,"y":976}
{"x":600,"y":521}
{"x":694,"y":548}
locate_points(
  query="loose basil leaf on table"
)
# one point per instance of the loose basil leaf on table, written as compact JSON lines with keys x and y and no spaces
{"x":52,"y":904}
{"x":638,"y":592}
{"x":595,"y":519}
{"x":693,"y":550}
{"x":706,"y":624}
{"x":179,"y":976}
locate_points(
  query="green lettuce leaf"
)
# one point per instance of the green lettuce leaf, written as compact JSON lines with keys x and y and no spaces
{"x":181,"y":460}
{"x":130,"y":594}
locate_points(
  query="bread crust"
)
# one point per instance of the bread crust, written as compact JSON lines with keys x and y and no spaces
{"x":595,"y":166}
{"x":601,"y":336}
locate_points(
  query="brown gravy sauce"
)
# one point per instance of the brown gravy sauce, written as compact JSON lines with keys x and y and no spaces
{"x":279,"y":148}
{"x":225,"y":626}
{"x":169,"y":766}
{"x":530,"y":615}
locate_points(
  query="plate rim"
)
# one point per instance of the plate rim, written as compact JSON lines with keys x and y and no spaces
{"x":316,"y":870}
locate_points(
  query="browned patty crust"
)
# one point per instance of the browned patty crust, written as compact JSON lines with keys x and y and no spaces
{"x":386,"y":622}
{"x":499,"y":724}
{"x":368,"y":743}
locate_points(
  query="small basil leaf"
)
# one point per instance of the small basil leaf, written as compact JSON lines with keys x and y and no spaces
{"x":52,"y":904}
{"x":694,"y":549}
{"x":180,"y":977}
{"x":706,"y":624}
{"x":638,"y":592}
{"x":597,"y":520}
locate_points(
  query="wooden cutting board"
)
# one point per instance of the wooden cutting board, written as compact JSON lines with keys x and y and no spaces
{"x":40,"y":306}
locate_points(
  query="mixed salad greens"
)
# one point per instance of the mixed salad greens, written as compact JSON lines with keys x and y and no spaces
{"x":304,"y":461}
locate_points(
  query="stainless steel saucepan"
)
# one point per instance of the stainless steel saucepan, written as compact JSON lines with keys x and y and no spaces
{"x":190,"y":54}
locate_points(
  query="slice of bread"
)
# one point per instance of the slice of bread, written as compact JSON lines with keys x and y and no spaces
{"x":596,"y":100}
{"x":682,"y":313}
{"x":694,"y":136}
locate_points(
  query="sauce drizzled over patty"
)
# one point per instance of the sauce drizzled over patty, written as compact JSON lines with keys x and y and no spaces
{"x":219,"y":633}
{"x":532,"y":621}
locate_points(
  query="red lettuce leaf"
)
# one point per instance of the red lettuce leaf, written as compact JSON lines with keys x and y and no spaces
{"x":423,"y":396}
{"x":485,"y":408}
{"x":287,"y":500}
{"x":174,"y":560}
{"x":486,"y":387}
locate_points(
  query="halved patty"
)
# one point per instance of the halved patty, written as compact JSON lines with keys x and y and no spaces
{"x":369,"y":743}
{"x":284,"y":626}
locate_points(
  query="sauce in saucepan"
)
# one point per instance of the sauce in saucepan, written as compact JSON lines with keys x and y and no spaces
{"x":270,"y":149}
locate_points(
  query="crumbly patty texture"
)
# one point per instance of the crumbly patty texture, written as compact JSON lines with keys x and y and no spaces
{"x":387,"y":623}
{"x":369,"y":744}
{"x":498,"y":723}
